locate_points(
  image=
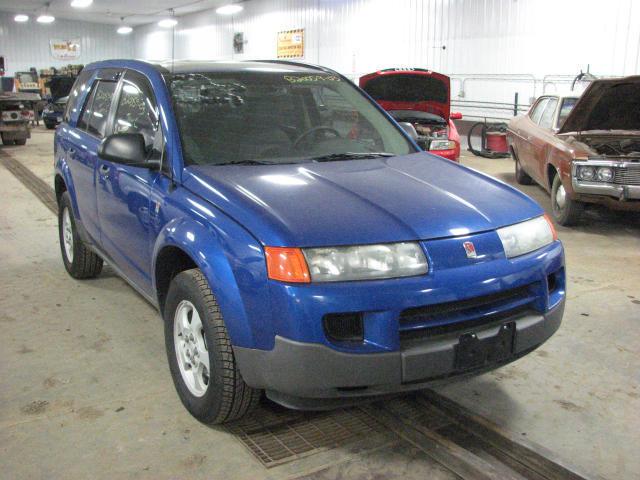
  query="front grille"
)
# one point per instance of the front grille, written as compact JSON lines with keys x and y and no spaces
{"x":442,"y":318}
{"x":629,"y":175}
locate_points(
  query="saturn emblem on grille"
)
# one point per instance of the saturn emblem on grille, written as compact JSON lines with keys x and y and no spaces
{"x":470,"y":248}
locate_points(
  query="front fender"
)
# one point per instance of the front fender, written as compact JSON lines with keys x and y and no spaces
{"x":233,"y":262}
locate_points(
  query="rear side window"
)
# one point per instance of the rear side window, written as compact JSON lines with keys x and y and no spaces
{"x":83,"y":121}
{"x":546,"y":121}
{"x":100,"y":108}
{"x":81,"y":84}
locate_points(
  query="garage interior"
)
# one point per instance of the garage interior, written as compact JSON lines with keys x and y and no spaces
{"x":85,"y":391}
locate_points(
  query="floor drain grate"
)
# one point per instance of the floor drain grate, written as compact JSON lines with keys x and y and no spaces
{"x":278,"y":436}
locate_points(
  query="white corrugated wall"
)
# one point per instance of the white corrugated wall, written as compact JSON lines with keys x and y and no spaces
{"x":26,"y":45}
{"x":492,"y":48}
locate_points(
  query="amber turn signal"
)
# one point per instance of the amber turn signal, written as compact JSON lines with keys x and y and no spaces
{"x":287,"y":264}
{"x":551,"y":226}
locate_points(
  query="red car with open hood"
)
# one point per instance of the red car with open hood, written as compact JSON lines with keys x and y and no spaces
{"x":420,"y":97}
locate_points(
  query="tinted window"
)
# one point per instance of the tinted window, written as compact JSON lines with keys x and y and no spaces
{"x":536,"y":113}
{"x":407,"y":88}
{"x":80,"y":85}
{"x":137,"y":111}
{"x":277,"y":117}
{"x":83,"y":121}
{"x":565,"y":109}
{"x":100,"y":108}
{"x":546,"y":121}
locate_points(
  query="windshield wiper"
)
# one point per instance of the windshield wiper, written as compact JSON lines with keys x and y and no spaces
{"x":332,"y":157}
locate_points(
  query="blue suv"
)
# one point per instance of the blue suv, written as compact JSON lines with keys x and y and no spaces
{"x":294,"y":237}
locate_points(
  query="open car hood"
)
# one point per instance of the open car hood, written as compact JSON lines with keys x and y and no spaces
{"x":60,"y":86}
{"x":610,"y":104}
{"x":410,"y":89}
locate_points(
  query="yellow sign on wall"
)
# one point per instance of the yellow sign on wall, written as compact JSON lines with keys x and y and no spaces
{"x":291,"y":43}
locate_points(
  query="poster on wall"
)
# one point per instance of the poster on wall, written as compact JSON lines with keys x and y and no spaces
{"x":65,"y":49}
{"x":291,"y":43}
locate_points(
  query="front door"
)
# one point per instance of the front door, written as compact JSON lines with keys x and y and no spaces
{"x":123,"y":191}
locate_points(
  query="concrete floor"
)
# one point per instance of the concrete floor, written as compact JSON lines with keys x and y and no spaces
{"x":85,"y":391}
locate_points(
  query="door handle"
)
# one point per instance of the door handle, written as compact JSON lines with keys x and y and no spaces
{"x":104,"y":170}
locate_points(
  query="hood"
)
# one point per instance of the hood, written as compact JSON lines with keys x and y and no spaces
{"x":413,"y":197}
{"x":411,"y":89}
{"x":611,"y":104}
{"x":60,"y":86}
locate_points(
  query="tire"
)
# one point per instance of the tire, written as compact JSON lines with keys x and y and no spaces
{"x":79,"y":260}
{"x":565,"y":211}
{"x":521,"y":176}
{"x":20,"y":141}
{"x":6,"y":140}
{"x":216,"y":393}
{"x":50,"y":126}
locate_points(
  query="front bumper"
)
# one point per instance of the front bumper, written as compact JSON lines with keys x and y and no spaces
{"x":312,"y":376}
{"x":619,"y":189}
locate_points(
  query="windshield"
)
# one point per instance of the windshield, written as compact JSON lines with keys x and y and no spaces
{"x":565,"y":109}
{"x":270,"y":117}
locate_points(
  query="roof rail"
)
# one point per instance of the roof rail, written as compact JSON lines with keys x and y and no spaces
{"x":298,"y":64}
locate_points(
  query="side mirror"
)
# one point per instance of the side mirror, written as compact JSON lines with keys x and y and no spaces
{"x":125,"y":148}
{"x":455,"y":116}
{"x":410,"y":129}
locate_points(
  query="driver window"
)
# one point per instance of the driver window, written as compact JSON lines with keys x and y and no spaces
{"x":546,"y":121}
{"x":137,"y":111}
{"x":536,"y":113}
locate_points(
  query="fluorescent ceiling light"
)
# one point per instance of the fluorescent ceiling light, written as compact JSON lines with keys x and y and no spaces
{"x":21,"y":18}
{"x":45,"y":18}
{"x":229,"y":9}
{"x":123,"y":30}
{"x":168,"y":23}
{"x":81,"y":3}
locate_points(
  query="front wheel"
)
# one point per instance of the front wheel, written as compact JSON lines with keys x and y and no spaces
{"x":200,"y":354}
{"x":565,"y":210}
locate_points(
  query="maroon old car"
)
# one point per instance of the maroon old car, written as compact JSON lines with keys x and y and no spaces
{"x":584,"y":150}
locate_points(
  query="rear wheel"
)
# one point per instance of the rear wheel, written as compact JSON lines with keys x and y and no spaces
{"x":521,"y":176}
{"x":79,"y":260}
{"x":20,"y":141}
{"x":6,"y":140}
{"x":49,"y":125}
{"x":565,"y":210}
{"x":200,"y":354}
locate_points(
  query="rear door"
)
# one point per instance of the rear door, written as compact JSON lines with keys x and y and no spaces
{"x":123,"y":191}
{"x":82,"y":144}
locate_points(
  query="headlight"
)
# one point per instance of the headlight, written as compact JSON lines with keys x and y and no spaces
{"x":442,"y":145}
{"x":365,"y":262}
{"x":527,"y":236}
{"x":586,"y":173}
{"x":605,"y":174}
